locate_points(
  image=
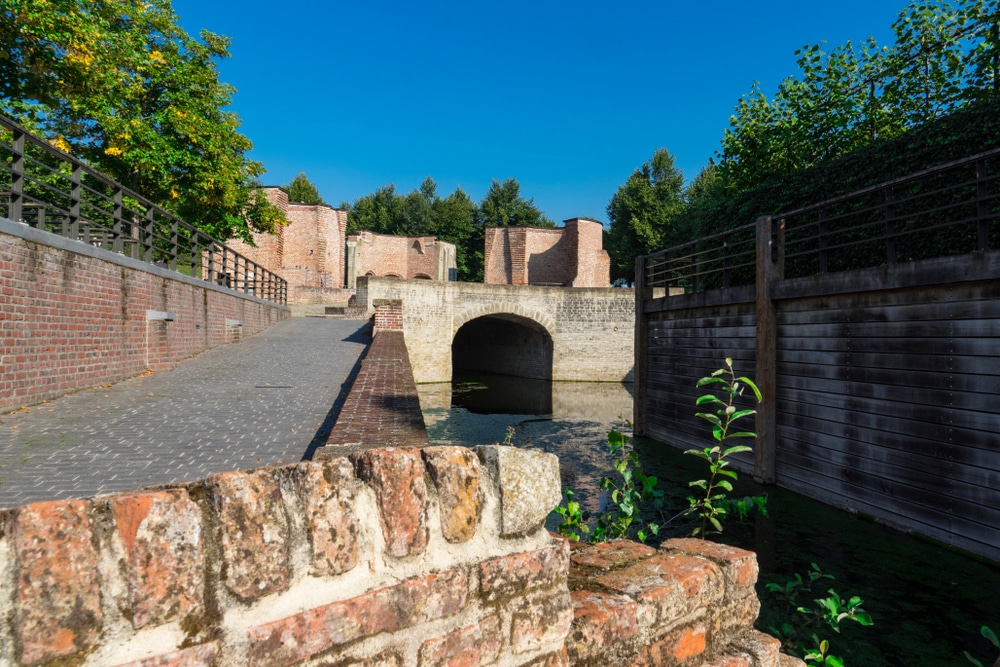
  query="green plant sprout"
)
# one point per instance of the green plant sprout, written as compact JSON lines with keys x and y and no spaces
{"x":986,"y":632}
{"x":829,"y":612}
{"x":712,"y":505}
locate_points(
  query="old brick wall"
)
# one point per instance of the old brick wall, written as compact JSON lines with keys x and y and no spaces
{"x":381,"y":255}
{"x":75,"y":316}
{"x":592,"y":330}
{"x":396,"y":556}
{"x":572,"y":255}
{"x":392,"y":556}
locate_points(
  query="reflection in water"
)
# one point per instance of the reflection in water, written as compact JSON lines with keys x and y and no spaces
{"x":928,"y":601}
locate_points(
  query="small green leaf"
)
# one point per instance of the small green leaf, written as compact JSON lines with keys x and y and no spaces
{"x":990,"y":635}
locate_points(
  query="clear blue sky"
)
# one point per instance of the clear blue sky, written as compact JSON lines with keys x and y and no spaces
{"x":567,"y":97}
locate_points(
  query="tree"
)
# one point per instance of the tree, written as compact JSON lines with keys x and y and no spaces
{"x":119,"y":84}
{"x":454,"y":222}
{"x":503,"y":206}
{"x":945,"y":56}
{"x":641,"y":213}
{"x":380,"y":212}
{"x":303,"y":191}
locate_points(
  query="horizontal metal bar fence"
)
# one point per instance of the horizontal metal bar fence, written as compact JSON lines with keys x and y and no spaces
{"x":46,"y":188}
{"x":950,"y":209}
{"x":725,"y":259}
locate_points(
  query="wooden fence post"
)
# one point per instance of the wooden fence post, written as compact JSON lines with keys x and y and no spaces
{"x":770,"y":269}
{"x":642,"y":293}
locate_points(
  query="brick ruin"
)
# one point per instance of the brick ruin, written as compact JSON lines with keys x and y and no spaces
{"x":571,"y":256}
{"x":385,"y":256}
{"x":399,"y":557}
{"x":321,"y":263}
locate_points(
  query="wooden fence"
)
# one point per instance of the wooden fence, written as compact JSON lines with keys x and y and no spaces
{"x":881,"y":381}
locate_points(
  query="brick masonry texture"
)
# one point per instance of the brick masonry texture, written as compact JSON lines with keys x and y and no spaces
{"x":572,"y":256}
{"x":591,"y":329}
{"x":74,"y":316}
{"x":383,"y":407}
{"x":163,"y":578}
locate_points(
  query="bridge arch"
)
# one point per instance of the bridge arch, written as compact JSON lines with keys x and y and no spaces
{"x":492,"y":339}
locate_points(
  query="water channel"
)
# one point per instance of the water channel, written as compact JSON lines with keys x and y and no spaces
{"x":928,"y":601}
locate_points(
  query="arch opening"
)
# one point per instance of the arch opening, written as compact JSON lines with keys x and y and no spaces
{"x":503,"y":344}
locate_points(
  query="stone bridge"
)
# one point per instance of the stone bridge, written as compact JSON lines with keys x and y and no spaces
{"x":549,"y":333}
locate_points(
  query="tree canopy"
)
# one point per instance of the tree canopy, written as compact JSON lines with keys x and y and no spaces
{"x":119,"y":84}
{"x":303,"y":191}
{"x":642,"y":212}
{"x":945,"y":56}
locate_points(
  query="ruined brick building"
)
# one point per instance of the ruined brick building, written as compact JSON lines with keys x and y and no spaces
{"x":571,"y":256}
{"x":322,"y":263}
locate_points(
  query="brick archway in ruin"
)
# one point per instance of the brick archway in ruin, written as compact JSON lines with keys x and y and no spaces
{"x":591,"y":329}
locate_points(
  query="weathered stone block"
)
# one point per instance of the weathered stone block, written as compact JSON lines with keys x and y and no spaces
{"x":668,"y":587}
{"x":728,"y":661}
{"x":738,"y":565}
{"x":397,"y":478}
{"x":610,"y":555}
{"x":202,"y":655}
{"x":554,"y":659}
{"x":58,"y":591}
{"x":161,"y":533}
{"x":254,"y":531}
{"x":471,"y":646}
{"x":295,"y":638}
{"x":674,"y":649}
{"x":540,"y":620}
{"x":327,"y":491}
{"x":507,"y":576}
{"x":384,"y":659}
{"x":456,"y":474}
{"x":761,"y":650}
{"x":529,"y":486}
{"x":602,"y":624}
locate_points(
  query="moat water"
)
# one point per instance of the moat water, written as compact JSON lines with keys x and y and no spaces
{"x":928,"y":601}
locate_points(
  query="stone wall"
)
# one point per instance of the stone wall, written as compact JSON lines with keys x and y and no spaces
{"x":571,"y":256}
{"x":74,"y":316}
{"x":592,"y":330}
{"x":393,"y":557}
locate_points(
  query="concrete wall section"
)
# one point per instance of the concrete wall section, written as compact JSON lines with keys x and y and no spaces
{"x":75,"y":316}
{"x":591,"y":329}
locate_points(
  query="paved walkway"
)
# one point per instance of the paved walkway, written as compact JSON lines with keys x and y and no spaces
{"x":271,"y":399}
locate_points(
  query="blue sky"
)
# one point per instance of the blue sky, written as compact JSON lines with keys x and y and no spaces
{"x":569,"y":98}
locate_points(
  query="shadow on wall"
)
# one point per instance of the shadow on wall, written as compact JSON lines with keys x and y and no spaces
{"x":503,"y":344}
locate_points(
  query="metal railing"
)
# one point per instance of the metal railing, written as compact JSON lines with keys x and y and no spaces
{"x":48,"y":189}
{"x":725,"y":259}
{"x":951,"y":209}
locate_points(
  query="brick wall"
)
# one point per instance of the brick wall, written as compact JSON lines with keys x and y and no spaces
{"x":396,"y":556}
{"x":399,"y":257}
{"x":572,"y":255}
{"x":75,"y":316}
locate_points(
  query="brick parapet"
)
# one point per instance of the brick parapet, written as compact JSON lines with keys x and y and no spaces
{"x":385,"y":554}
{"x":75,"y":316}
{"x":571,"y":256}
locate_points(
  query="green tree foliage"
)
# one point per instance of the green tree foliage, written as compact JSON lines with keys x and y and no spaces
{"x":302,"y":190}
{"x":945,"y":55}
{"x":119,"y":84}
{"x":503,"y":206}
{"x":642,"y":213}
{"x":455,"y":220}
